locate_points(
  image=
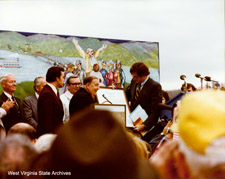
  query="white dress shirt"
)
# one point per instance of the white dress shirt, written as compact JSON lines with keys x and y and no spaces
{"x":65,"y":98}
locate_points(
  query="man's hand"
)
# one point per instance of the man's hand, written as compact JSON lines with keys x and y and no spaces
{"x":170,"y":162}
{"x":8,"y":105}
{"x":104,"y":46}
{"x":139,"y":128}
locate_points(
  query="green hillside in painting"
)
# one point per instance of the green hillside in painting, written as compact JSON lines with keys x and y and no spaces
{"x":41,"y":45}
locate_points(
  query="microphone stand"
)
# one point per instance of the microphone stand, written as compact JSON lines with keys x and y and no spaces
{"x":197,"y":75}
{"x":106,"y":99}
{"x":182,"y":77}
{"x":207,"y":79}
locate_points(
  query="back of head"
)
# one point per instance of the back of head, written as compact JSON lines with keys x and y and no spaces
{"x":190,"y":87}
{"x":89,"y":79}
{"x":16,"y":153}
{"x":53,"y":72}
{"x":201,"y":126}
{"x":140,"y":68}
{"x":94,"y":145}
{"x":44,"y":142}
{"x":23,"y":128}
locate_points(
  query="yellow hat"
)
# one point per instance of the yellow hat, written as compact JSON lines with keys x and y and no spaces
{"x":202,"y":119}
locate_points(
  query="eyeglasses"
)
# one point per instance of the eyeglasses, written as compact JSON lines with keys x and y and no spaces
{"x":75,"y":84}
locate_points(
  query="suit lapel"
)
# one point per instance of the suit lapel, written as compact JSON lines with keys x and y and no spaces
{"x":4,"y":97}
{"x":142,"y":93}
{"x":55,"y":97}
{"x":34,"y":102}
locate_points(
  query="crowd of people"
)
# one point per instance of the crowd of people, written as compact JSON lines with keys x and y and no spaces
{"x":49,"y":135}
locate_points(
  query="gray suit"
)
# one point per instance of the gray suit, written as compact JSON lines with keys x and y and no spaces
{"x":30,"y":110}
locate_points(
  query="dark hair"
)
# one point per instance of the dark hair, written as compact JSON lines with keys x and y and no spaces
{"x":140,"y":68}
{"x":53,"y":72}
{"x":189,"y":85}
{"x":96,"y":67}
{"x":165,"y":94}
{"x":81,"y":146}
{"x":89,"y":79}
{"x":68,"y":80}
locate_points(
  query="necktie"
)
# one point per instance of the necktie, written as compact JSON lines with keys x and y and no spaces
{"x":16,"y":105}
{"x":138,"y":90}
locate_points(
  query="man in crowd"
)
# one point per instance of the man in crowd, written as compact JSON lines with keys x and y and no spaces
{"x":30,"y":102}
{"x":15,"y":114}
{"x":85,"y":96}
{"x":145,"y":92}
{"x":50,"y":108}
{"x":73,"y":85}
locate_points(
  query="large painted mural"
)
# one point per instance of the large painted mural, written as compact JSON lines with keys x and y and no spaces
{"x":29,"y":55}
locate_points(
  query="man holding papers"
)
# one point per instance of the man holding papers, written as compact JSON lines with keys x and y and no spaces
{"x":145,"y":92}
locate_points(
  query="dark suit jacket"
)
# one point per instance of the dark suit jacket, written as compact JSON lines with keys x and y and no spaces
{"x":30,"y":110}
{"x":149,"y":98}
{"x":14,"y":115}
{"x":80,"y":100}
{"x":50,"y":111}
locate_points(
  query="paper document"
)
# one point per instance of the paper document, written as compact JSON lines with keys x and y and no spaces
{"x":138,"y":116}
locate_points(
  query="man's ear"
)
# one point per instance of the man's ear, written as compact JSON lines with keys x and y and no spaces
{"x":57,"y":79}
{"x":87,"y":85}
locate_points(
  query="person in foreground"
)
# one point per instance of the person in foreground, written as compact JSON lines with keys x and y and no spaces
{"x":93,"y":144}
{"x":200,"y":152}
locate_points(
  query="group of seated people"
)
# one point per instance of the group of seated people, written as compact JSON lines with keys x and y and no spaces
{"x":94,"y":144}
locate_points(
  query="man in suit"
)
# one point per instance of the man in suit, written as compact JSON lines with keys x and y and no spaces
{"x":50,"y":108}
{"x":73,"y":85}
{"x":144,"y":91}
{"x":85,"y":96}
{"x":15,"y":114}
{"x":30,"y":102}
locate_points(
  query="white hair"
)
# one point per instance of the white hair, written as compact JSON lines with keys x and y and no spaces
{"x":44,"y":142}
{"x":214,"y":155}
{"x":3,"y":78}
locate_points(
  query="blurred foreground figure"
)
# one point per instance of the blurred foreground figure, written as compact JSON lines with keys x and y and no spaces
{"x":93,"y":144}
{"x":16,"y":154}
{"x":200,"y":153}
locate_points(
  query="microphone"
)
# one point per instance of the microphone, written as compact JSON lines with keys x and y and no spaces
{"x":207,"y":78}
{"x":106,"y":99}
{"x":197,"y":75}
{"x":182,"y":77}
